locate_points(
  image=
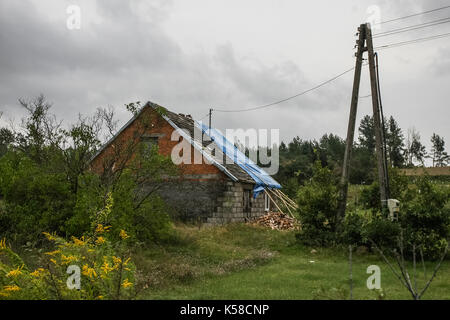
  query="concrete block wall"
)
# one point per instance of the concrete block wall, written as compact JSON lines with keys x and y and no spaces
{"x":230,"y":205}
{"x":193,"y":199}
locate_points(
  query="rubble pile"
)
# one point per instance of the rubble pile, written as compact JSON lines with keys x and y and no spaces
{"x":276,"y":221}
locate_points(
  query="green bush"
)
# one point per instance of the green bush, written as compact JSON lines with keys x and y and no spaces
{"x":317,"y":207}
{"x":382,"y":231}
{"x":370,"y":195}
{"x":34,"y":200}
{"x":351,"y":231}
{"x":145,"y":221}
{"x":425,"y":217}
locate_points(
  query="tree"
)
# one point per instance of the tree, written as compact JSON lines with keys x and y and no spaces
{"x":394,"y":143}
{"x":438,"y":154}
{"x":333,"y":148}
{"x":6,"y":138}
{"x":415,"y":150}
{"x":367,"y":133}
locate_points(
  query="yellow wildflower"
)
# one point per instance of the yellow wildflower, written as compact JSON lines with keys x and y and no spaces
{"x":11,"y":288}
{"x":53,"y":253}
{"x":53,"y":260}
{"x":49,"y":236}
{"x":126,"y":261}
{"x":3,"y":243}
{"x":100,"y":297}
{"x":123,"y":234}
{"x":117,"y":261}
{"x":100,"y":240}
{"x":106,"y":268}
{"x":89,"y":272}
{"x":78,"y":242}
{"x":4,"y":294}
{"x":126,"y":283}
{"x":68,"y":259}
{"x":101,"y":229}
{"x":38,"y":272}
{"x":15,"y":272}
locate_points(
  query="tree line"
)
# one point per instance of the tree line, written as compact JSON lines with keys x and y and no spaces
{"x":403,"y":151}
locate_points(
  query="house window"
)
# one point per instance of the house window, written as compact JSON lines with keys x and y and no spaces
{"x":149,"y":142}
{"x":246,"y":204}
{"x":266,"y":202}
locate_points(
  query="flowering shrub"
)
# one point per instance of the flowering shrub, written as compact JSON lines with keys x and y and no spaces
{"x":105,"y":270}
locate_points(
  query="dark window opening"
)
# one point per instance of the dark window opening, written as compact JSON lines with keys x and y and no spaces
{"x":150,"y":142}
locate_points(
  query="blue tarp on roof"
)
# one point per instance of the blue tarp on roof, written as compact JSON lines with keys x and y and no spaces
{"x":262,"y":179}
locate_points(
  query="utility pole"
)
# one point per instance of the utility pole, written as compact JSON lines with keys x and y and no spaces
{"x":352,"y":120}
{"x":210,"y":114}
{"x":364,"y":43}
{"x":379,"y":134}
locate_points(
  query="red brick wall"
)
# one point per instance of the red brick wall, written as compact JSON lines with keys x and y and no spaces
{"x":158,"y":126}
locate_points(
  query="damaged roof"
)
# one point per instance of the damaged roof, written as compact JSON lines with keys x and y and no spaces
{"x":187,"y":126}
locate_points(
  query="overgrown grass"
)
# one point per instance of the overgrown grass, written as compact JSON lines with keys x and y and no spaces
{"x":244,"y":262}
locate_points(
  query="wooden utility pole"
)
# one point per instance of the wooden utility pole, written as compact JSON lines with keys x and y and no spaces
{"x":352,"y":120}
{"x":379,"y":145}
{"x":210,"y":114}
{"x":365,"y":38}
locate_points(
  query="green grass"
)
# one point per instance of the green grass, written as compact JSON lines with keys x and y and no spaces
{"x":244,"y":262}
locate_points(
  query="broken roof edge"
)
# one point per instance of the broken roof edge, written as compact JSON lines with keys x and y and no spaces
{"x":200,"y":149}
{"x":261,"y":178}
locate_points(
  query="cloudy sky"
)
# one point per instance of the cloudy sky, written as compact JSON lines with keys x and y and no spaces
{"x":192,"y":55}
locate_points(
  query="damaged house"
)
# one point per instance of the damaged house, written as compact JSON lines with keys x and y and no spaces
{"x":224,"y":186}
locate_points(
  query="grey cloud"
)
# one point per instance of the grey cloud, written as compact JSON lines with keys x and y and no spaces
{"x":129,"y":57}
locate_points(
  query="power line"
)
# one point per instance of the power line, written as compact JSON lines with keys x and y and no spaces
{"x":289,"y":98}
{"x":412,"y":15}
{"x":203,"y":117}
{"x":413,"y":27}
{"x":403,"y":43}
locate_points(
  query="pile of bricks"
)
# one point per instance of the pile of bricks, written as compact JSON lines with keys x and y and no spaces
{"x":276,"y":221}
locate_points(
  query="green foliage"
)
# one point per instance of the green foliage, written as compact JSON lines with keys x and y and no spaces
{"x":35,"y":200}
{"x":395,"y":144}
{"x":382,"y":232}
{"x":367,"y":133}
{"x":438,"y":154}
{"x":45,"y":184}
{"x":363,"y":166}
{"x":426,"y":216}
{"x":370,"y":195}
{"x":136,"y":206}
{"x":106,"y":270}
{"x":318,"y":204}
{"x":351,"y":231}
{"x":6,"y":138}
